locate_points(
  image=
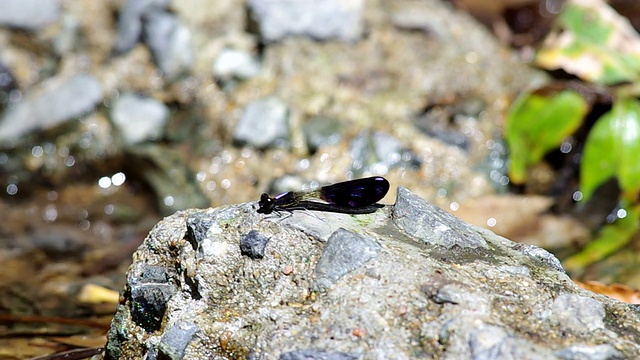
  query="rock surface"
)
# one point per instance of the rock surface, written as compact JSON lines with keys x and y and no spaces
{"x":409,"y":281}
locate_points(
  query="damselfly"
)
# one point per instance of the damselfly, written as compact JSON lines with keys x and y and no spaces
{"x":357,"y":196}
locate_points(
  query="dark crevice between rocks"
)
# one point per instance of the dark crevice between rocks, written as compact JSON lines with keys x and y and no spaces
{"x":194,"y":288}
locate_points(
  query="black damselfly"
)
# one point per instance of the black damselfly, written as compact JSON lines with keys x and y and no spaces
{"x":357,"y":196}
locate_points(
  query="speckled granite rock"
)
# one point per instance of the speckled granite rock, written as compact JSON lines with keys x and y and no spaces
{"x":409,"y":281}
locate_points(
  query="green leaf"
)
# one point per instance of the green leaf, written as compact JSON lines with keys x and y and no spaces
{"x":581,"y":20}
{"x":612,"y":149}
{"x":612,"y":237}
{"x":537,"y":124}
{"x":593,"y":42}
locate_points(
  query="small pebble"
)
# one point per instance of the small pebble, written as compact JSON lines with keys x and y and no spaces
{"x":287,"y":270}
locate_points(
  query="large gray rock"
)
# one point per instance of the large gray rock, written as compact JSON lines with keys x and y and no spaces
{"x":264,"y":123}
{"x":53,"y":103}
{"x":139,"y":118}
{"x":130,"y":21}
{"x":29,"y":14}
{"x":170,"y":43}
{"x":409,"y":281}
{"x":318,"y":19}
{"x":168,"y":39}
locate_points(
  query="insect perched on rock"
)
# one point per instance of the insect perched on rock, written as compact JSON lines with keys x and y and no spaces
{"x":357,"y":196}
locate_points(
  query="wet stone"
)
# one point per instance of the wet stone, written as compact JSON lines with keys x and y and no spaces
{"x":432,"y":225}
{"x":139,"y":118}
{"x":130,"y":21}
{"x":317,"y":19}
{"x":391,"y":152}
{"x":170,"y":43}
{"x":578,"y":313}
{"x":589,"y":352}
{"x":322,"y":131}
{"x":29,"y":14}
{"x":345,"y":252}
{"x":318,"y":355}
{"x":363,"y":153}
{"x":176,"y":339}
{"x":235,"y":64}
{"x":253,"y":244}
{"x":264,"y":123}
{"x":52,"y":104}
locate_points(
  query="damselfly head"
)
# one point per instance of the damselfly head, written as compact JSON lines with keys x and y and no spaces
{"x":266,"y":204}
